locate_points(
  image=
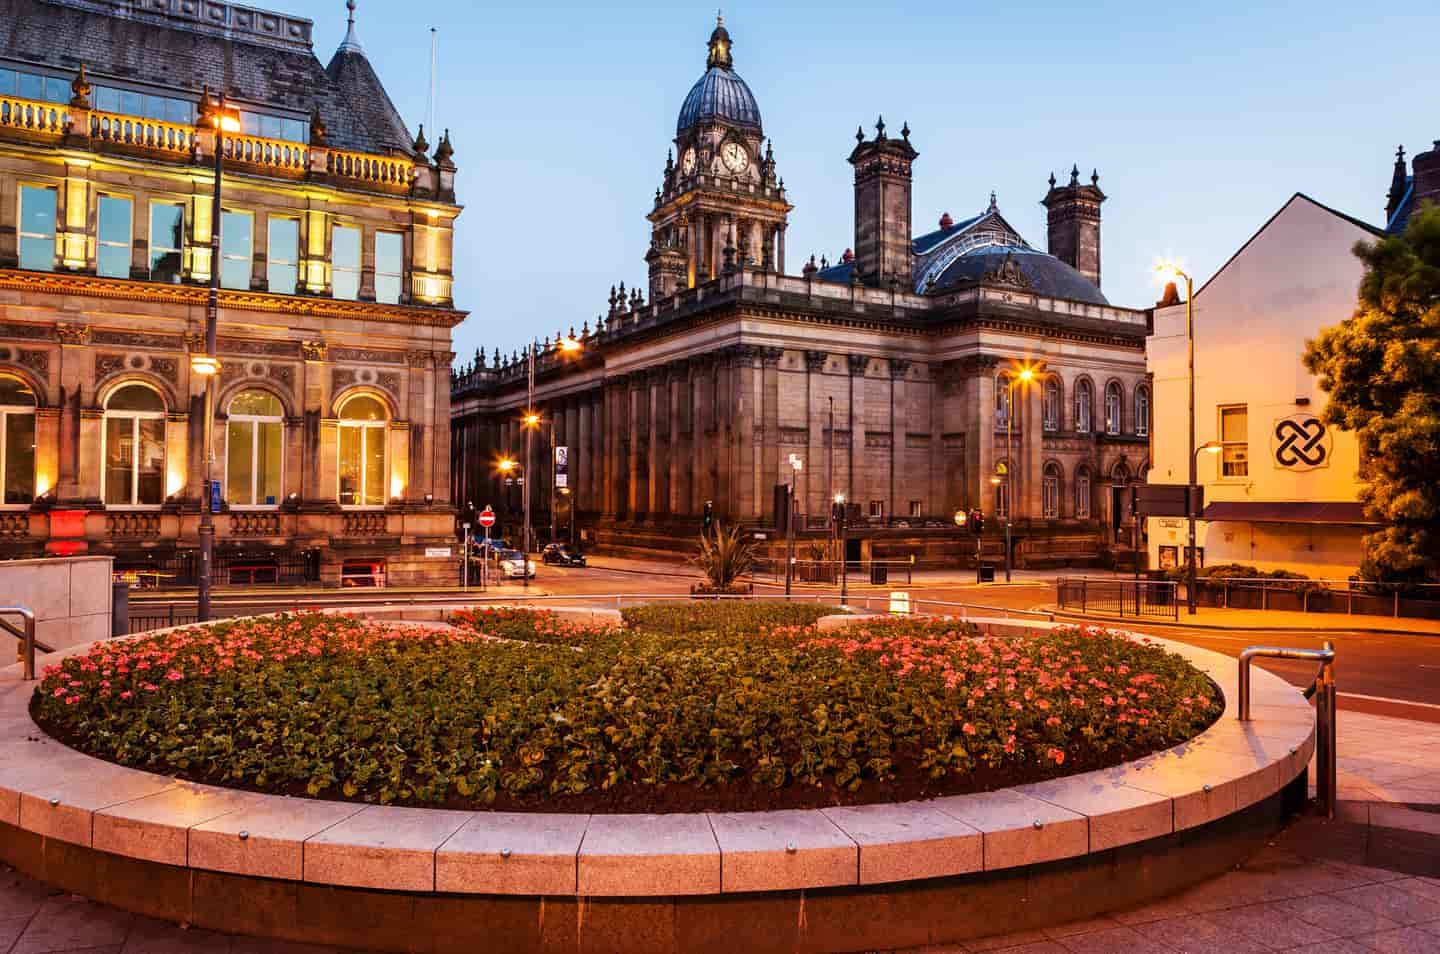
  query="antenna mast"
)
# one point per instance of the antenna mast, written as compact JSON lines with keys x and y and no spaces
{"x":430,"y":117}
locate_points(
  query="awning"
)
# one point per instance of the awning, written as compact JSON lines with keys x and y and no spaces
{"x":1264,"y":511}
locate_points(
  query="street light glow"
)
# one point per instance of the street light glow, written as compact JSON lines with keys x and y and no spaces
{"x":960,"y":518}
{"x":507,"y":465}
{"x":569,"y":344}
{"x":1027,"y":374}
{"x":1170,"y":272}
{"x":1211,"y":447}
{"x":839,"y":498}
{"x":205,"y":365}
{"x":532,"y":420}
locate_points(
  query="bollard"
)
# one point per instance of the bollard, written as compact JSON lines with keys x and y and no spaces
{"x":119,"y":609}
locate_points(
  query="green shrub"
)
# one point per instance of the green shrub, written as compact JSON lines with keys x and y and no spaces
{"x":723,"y":617}
{"x":338,"y":707}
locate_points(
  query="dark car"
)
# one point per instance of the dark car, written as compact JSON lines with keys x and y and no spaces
{"x":556,"y":554}
{"x":489,"y":547}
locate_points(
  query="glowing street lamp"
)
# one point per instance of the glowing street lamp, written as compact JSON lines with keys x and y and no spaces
{"x":1168,"y":271}
{"x":1024,"y":375}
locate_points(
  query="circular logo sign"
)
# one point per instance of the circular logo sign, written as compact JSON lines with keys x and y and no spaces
{"x":1300,"y":442}
{"x":487,"y":517}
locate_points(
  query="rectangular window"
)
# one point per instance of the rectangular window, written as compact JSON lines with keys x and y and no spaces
{"x":18,"y":443}
{"x":253,"y":449}
{"x":56,"y":90}
{"x":345,"y":263}
{"x":31,"y":86}
{"x":167,"y":233}
{"x":282,"y":256}
{"x":37,"y":228}
{"x":1234,"y":441}
{"x":112,"y":238}
{"x":236,"y":249}
{"x":389,"y":266}
{"x":119,"y":461}
{"x":915,"y":510}
{"x":7,"y":82}
{"x":877,"y":509}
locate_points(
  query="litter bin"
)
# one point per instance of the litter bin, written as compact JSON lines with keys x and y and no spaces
{"x":879,"y":574}
{"x":987,"y":573}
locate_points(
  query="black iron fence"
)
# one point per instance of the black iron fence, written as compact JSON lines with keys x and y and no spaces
{"x":1152,"y":599}
{"x":1358,"y":597}
{"x":281,"y":567}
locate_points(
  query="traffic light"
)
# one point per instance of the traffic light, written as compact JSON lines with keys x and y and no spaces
{"x":709,"y":517}
{"x":977,"y":522}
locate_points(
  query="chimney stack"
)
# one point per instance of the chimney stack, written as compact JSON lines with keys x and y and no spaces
{"x":1425,"y":181}
{"x":1074,"y":223}
{"x":883,"y":249}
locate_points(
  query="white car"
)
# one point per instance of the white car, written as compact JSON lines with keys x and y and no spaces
{"x":515,"y":566}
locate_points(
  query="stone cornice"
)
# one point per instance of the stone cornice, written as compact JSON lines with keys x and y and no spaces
{"x":89,"y":286}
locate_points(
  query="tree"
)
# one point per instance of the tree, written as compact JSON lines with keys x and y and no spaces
{"x":1381,"y":368}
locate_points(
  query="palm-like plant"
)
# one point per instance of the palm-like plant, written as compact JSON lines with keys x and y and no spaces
{"x":725,"y":557}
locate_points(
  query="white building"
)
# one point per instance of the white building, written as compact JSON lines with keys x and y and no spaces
{"x":1282,"y":492}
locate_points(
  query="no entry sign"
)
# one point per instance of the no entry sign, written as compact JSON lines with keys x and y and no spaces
{"x":487,"y":518}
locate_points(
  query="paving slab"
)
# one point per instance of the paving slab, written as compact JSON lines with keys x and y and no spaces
{"x":512,"y":853}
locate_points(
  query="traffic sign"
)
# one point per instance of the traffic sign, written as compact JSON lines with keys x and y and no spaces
{"x":487,"y":518}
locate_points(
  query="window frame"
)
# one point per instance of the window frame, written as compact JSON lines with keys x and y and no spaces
{"x":1050,"y":404}
{"x":1002,"y":489}
{"x":271,"y":263}
{"x":1142,"y":410}
{"x":249,"y":259}
{"x":877,"y":510}
{"x":18,"y":410}
{"x":336,"y":269}
{"x":398,"y":275}
{"x":129,"y":243}
{"x":917,"y":509}
{"x":1227,"y":446}
{"x":255,"y":420}
{"x":364,"y":427}
{"x":134,"y":417}
{"x":1084,"y":411}
{"x":21,"y":235}
{"x":1051,"y":484}
{"x":1003,"y":394}
{"x":1114,"y":395}
{"x":179,"y":252}
{"x":1084,"y":503}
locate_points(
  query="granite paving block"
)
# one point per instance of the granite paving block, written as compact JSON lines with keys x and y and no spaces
{"x":1196,"y":934}
{"x":1397,"y":905}
{"x":1119,"y":815}
{"x":643,"y":855}
{"x":63,"y":808}
{"x":157,"y":827}
{"x":909,"y":841}
{"x":68,"y":923}
{"x":382,"y":847}
{"x":783,"y":850}
{"x":512,"y":853}
{"x":1018,"y":829}
{"x":1406,"y":940}
{"x":264,"y":839}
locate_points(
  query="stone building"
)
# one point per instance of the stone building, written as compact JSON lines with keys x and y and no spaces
{"x":330,"y":428}
{"x":888,"y":374}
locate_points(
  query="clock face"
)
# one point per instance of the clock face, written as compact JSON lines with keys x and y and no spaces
{"x":687,"y":161}
{"x":734,"y":156}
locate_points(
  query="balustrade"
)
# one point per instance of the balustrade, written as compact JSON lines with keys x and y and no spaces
{"x":274,"y":153}
{"x":255,"y":524}
{"x":365,"y":524}
{"x":33,"y":115}
{"x":14,"y":526}
{"x":132,"y":524}
{"x":134,"y":131}
{"x":383,"y":171}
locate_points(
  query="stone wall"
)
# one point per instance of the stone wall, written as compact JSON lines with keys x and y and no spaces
{"x":70,"y":597}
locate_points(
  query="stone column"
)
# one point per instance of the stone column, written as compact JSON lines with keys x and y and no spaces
{"x":899,"y":368}
{"x":47,"y":451}
{"x":634,"y":395}
{"x":92,"y":424}
{"x":855,"y":422}
{"x":817,"y":419}
{"x":983,"y":377}
{"x":702,"y":410}
{"x":1034,"y":451}
{"x":681,"y":466}
{"x":769,"y":462}
{"x":78,"y":442}
{"x":745,"y":413}
{"x":780,"y":250}
{"x":658,"y":404}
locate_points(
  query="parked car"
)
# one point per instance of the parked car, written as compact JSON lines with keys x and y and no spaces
{"x":515,"y":565}
{"x":559,"y":555}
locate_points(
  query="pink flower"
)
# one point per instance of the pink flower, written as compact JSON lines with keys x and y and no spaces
{"x":968,"y":728}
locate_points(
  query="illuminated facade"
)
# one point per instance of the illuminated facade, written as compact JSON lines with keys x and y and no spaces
{"x":335,"y":313}
{"x":886,"y":374}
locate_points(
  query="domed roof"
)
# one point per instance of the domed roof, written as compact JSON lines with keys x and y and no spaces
{"x":719,"y":95}
{"x":1042,"y":273}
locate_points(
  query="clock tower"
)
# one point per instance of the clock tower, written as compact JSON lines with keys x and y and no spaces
{"x":720,"y":206}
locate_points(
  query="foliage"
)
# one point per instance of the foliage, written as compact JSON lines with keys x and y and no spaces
{"x":724,"y":558}
{"x":1235,"y":575}
{"x":724,"y":617}
{"x":1381,"y":368}
{"x":334,"y":706}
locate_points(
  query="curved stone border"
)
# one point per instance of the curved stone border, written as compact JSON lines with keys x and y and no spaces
{"x":53,"y":791}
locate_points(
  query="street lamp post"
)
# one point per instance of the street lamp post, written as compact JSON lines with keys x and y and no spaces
{"x":839,"y":518}
{"x":1194,"y":452}
{"x":796,"y":464}
{"x":223,"y":119}
{"x":531,"y":421}
{"x":1025,"y":375}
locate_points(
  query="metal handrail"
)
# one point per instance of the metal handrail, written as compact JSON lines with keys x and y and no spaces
{"x":1323,"y":690}
{"x":25,"y":633}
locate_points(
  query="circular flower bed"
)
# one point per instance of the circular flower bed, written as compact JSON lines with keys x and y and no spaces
{"x":697,"y":707}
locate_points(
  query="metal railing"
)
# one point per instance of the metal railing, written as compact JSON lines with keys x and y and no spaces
{"x":25,"y":632}
{"x":1322,"y":689}
{"x":1152,"y":599}
{"x":1413,"y":600}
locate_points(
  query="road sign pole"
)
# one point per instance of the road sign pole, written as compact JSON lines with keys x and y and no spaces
{"x":465,"y":562}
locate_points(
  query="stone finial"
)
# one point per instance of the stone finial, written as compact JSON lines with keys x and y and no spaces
{"x":809,"y":270}
{"x":859,"y":133}
{"x":880,"y":129}
{"x":351,"y":43}
{"x":496,"y":363}
{"x":80,"y":89}
{"x":444,"y":152}
{"x":945,"y":220}
{"x":1095,"y":177}
{"x":1052,"y":180}
{"x":1074,"y":175}
{"x":824,"y":262}
{"x":905,"y":132}
{"x":421,"y":147}
{"x":848,"y":257}
{"x":993,"y":206}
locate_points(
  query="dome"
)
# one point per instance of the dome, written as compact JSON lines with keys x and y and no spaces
{"x":719,"y":95}
{"x":1044,"y":274}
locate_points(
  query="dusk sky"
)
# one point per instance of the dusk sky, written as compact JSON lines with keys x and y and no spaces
{"x":1201,"y":123}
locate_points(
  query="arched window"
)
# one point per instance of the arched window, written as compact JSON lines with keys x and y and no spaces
{"x":1120,"y":473}
{"x":1050,"y":405}
{"x":1114,"y":402}
{"x":254,"y":449}
{"x":1084,"y":405}
{"x":134,"y":448}
{"x":1142,"y":411}
{"x":1082,"y":493}
{"x":1002,"y":400}
{"x":17,"y":442}
{"x":364,"y":425}
{"x":1050,"y":491}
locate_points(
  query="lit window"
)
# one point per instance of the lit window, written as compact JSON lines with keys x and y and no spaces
{"x":1002,"y":400}
{"x":282,"y":256}
{"x":37,"y":228}
{"x":877,"y":509}
{"x":17,"y":441}
{"x":1082,"y":493}
{"x":389,"y":266}
{"x":915,"y":510}
{"x":112,"y":238}
{"x":1050,"y":491}
{"x":1050,"y":405}
{"x":134,"y":448}
{"x":363,"y":430}
{"x":1002,"y":489}
{"x":1084,"y":401}
{"x":1114,"y":401}
{"x":345,"y":263}
{"x":1142,"y":411}
{"x":167,"y":232}
{"x":237,"y":230}
{"x":254,"y":449}
{"x":1234,"y":441}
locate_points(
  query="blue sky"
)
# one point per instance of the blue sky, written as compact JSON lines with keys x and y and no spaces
{"x":1202,"y":122}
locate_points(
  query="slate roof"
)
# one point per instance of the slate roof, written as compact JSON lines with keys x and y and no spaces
{"x":167,"y":56}
{"x":927,"y":242}
{"x":719,"y":94}
{"x":837,"y":273}
{"x":1401,"y":218}
{"x":1046,"y":274}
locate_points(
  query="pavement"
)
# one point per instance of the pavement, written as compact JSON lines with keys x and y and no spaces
{"x":1368,"y":881}
{"x":1211,"y":617}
